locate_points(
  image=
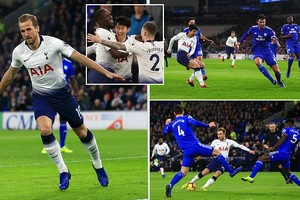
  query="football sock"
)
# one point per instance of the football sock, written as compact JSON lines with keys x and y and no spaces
{"x":283,"y":174}
{"x":203,"y":72}
{"x":256,"y":168}
{"x":62,"y":133}
{"x":161,"y":169}
{"x":233,"y":61}
{"x":295,"y":179}
{"x":89,"y":142}
{"x":209,"y":182}
{"x":225,"y":164}
{"x":176,"y":178}
{"x":198,"y":75}
{"x":192,"y":77}
{"x":265,"y":72}
{"x":53,"y":150}
{"x":290,"y":62}
{"x":197,"y":177}
{"x":278,"y":76}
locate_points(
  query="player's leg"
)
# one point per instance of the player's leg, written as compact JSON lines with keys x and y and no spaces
{"x":90,"y":144}
{"x":197,"y":65}
{"x":213,"y":179}
{"x":233,"y":59}
{"x":161,"y":166}
{"x":70,"y":111}
{"x":199,"y":56}
{"x":190,"y":80}
{"x":284,"y":175}
{"x":291,"y":53}
{"x":63,"y":136}
{"x":166,"y":59}
{"x":198,"y":176}
{"x":44,"y":114}
{"x":286,"y":167}
{"x":258,"y":62}
{"x":224,"y":163}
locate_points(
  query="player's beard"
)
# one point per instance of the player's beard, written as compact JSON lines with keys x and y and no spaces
{"x":31,"y":40}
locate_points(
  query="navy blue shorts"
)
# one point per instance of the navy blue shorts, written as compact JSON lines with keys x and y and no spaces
{"x":59,"y":101}
{"x":160,"y":158}
{"x":182,"y":58}
{"x":215,"y":165}
{"x":229,"y":50}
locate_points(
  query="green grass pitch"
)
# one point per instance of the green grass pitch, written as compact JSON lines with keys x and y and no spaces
{"x":267,"y":186}
{"x":243,"y":82}
{"x":25,"y":173}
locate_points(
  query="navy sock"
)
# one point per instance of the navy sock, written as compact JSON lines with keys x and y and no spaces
{"x":278,"y":76}
{"x":88,"y":138}
{"x":48,"y":139}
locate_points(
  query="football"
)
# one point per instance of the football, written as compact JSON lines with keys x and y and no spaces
{"x":191,"y":186}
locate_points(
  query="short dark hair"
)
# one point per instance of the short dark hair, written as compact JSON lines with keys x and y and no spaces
{"x":191,"y":18}
{"x":150,"y":27}
{"x":289,"y":121}
{"x":193,"y":27}
{"x":178,"y":109}
{"x":98,"y":14}
{"x":222,"y":129}
{"x":25,"y":17}
{"x":122,"y":20}
{"x":261,"y":16}
{"x":232,"y":31}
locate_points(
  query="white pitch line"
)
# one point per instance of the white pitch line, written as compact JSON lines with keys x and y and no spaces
{"x":72,"y":161}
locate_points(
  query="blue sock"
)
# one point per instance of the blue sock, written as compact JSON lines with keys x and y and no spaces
{"x":295,"y":179}
{"x":203,"y":72}
{"x":225,"y":164}
{"x":63,"y":133}
{"x":256,"y":168}
{"x":176,"y":178}
{"x":265,"y":72}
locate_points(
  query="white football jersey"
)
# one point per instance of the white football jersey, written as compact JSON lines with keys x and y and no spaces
{"x":161,"y":149}
{"x":102,"y":54}
{"x":185,"y":43}
{"x":150,"y":56}
{"x":231,"y":41}
{"x":225,"y":145}
{"x":123,"y":66}
{"x":44,"y":65}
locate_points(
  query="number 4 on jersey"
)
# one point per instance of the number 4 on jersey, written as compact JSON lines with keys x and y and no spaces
{"x":180,"y":132}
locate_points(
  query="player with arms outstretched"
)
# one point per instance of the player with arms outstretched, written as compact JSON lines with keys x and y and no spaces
{"x":285,"y":146}
{"x":224,"y":145}
{"x":181,"y":128}
{"x":186,"y":48}
{"x":42,"y":57}
{"x":150,"y":53}
{"x":291,"y":32}
{"x":161,"y":150}
{"x":261,"y":39}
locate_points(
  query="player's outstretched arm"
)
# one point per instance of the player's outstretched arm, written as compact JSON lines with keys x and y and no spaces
{"x":112,"y":44}
{"x":8,"y":78}
{"x":93,"y":65}
{"x":282,"y":139}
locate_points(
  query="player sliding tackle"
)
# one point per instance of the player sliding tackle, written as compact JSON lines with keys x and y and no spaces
{"x":224,"y":145}
{"x":181,"y":128}
{"x":186,"y":48}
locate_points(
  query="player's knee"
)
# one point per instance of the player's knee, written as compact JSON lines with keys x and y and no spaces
{"x":45,"y":130}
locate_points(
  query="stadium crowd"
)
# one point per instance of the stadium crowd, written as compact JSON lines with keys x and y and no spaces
{"x":242,"y":120}
{"x":66,"y":21}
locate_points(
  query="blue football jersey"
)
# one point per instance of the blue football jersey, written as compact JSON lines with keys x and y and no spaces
{"x":68,"y":69}
{"x":182,"y":129}
{"x":291,"y":140}
{"x":261,"y":39}
{"x":292,"y":29}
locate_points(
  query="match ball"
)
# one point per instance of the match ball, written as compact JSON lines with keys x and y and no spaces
{"x":191,"y":186}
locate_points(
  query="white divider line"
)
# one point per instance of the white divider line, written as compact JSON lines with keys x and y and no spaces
{"x":72,"y":161}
